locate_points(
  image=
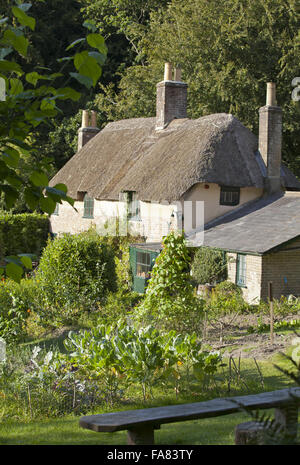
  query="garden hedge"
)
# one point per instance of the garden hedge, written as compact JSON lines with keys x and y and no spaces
{"x":23,"y":233}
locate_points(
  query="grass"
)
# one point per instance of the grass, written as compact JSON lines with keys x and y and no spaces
{"x":213,"y":431}
{"x":66,"y":431}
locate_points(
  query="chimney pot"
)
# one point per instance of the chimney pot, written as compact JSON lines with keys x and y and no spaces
{"x":271,"y":94}
{"x":177,"y":74}
{"x":85,"y":119}
{"x":87,"y":131}
{"x":168,"y":72}
{"x":94,"y":119}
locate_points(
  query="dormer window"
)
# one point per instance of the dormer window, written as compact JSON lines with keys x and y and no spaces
{"x":229,"y":196}
{"x":88,"y":207}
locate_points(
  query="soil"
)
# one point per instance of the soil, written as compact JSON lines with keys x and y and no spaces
{"x":234,"y":338}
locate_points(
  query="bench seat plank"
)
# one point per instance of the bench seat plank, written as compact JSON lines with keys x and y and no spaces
{"x":155,"y":416}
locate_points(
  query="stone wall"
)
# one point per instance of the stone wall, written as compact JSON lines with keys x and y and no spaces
{"x":252,"y":291}
{"x":283,"y":269}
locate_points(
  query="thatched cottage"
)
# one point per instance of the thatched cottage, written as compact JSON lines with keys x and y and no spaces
{"x":170,"y":172}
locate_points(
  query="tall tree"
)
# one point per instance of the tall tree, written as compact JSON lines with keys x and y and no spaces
{"x":227,"y":52}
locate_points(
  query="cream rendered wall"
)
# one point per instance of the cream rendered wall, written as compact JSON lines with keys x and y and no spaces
{"x":156,"y":220}
{"x":71,"y":221}
{"x":211,"y":198}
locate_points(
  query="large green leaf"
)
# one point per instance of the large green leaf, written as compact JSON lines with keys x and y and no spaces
{"x":86,"y":81}
{"x":23,"y":18}
{"x":26,"y":261}
{"x":98,"y":42}
{"x":61,"y":187}
{"x":14,"y":271}
{"x":87,"y":66}
{"x":10,"y":195}
{"x":33,"y":77}
{"x":31,"y":197}
{"x":11,"y":157}
{"x":68,"y":93}
{"x":47,"y":205}
{"x":16,"y":86}
{"x":10,"y":66}
{"x":99,"y":57}
{"x":18,"y":42}
{"x":39,"y":179}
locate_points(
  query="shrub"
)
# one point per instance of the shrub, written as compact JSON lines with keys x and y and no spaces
{"x":227,"y":288}
{"x":224,"y":299}
{"x":75,"y":273}
{"x":23,"y":233}
{"x":16,"y":303}
{"x":119,"y":305}
{"x":209,"y":266}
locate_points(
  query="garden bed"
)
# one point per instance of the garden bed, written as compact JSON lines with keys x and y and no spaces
{"x":234,"y":338}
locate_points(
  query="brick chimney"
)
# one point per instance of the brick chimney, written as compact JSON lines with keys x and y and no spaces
{"x":171,"y":98}
{"x":88,"y":128}
{"x":269,"y":141}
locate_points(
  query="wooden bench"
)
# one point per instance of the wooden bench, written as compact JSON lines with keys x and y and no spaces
{"x":141,"y":423}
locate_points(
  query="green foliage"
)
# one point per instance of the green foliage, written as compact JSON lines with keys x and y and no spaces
{"x":120,"y":356}
{"x":278,"y":326}
{"x":75,"y":273}
{"x":23,"y":233}
{"x":16,"y":302}
{"x":31,"y":100}
{"x":170,"y":301}
{"x":226,"y":298}
{"x":282,"y":307}
{"x":221,"y":50}
{"x":118,"y":305}
{"x":208,"y":266}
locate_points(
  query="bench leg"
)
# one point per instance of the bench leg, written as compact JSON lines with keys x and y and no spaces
{"x":287,"y":417}
{"x":140,"y":436}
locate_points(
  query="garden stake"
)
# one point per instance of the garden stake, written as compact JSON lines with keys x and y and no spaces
{"x":29,"y":401}
{"x":229,"y":379}
{"x":239,"y":376}
{"x":260,"y":374}
{"x":74,"y":394}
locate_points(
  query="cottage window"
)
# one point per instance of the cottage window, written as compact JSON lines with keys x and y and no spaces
{"x":241,"y":270}
{"x":229,"y":195}
{"x":88,"y":207}
{"x":143,"y":264}
{"x":132,"y":204}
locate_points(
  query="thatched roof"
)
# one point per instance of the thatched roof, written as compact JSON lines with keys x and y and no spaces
{"x":163,"y":165}
{"x":258,"y":227}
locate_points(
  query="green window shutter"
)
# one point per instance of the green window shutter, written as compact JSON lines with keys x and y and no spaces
{"x":88,"y":207}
